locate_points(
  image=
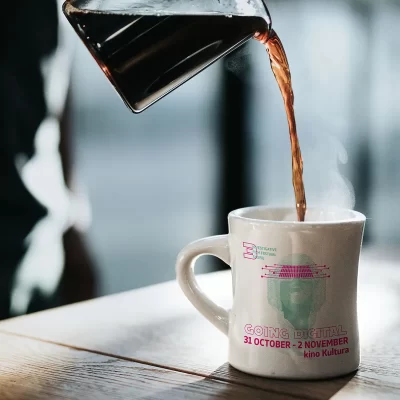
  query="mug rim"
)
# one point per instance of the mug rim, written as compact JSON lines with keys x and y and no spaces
{"x":240,"y":214}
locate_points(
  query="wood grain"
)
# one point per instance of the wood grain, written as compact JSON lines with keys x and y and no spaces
{"x":33,"y":370}
{"x":158,"y":326}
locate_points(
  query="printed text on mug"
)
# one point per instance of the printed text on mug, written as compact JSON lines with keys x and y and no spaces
{"x":314,"y":343}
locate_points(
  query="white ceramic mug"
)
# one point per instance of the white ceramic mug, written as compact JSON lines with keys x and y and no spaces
{"x":294,"y":311}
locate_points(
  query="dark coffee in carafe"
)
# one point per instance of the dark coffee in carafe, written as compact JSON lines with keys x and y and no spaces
{"x":147,"y":49}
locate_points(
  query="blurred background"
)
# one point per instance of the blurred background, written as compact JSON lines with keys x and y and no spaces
{"x":158,"y":180}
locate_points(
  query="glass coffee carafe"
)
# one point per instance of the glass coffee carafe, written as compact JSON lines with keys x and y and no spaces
{"x":149,"y":48}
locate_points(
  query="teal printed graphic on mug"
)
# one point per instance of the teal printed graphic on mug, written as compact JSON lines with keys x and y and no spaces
{"x":297,"y":289}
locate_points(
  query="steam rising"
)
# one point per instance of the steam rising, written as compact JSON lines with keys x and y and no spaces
{"x":327,"y":185}
{"x":324,"y":155}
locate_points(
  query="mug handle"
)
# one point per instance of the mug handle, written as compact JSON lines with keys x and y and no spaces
{"x":217,"y":246}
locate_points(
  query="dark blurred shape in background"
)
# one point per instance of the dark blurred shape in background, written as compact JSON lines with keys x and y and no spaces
{"x":44,"y":261}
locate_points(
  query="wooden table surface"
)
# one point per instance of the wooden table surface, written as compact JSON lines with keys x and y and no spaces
{"x":151,"y":344}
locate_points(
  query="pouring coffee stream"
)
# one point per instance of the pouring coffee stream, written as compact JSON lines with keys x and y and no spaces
{"x":148,"y":50}
{"x":281,"y":70}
